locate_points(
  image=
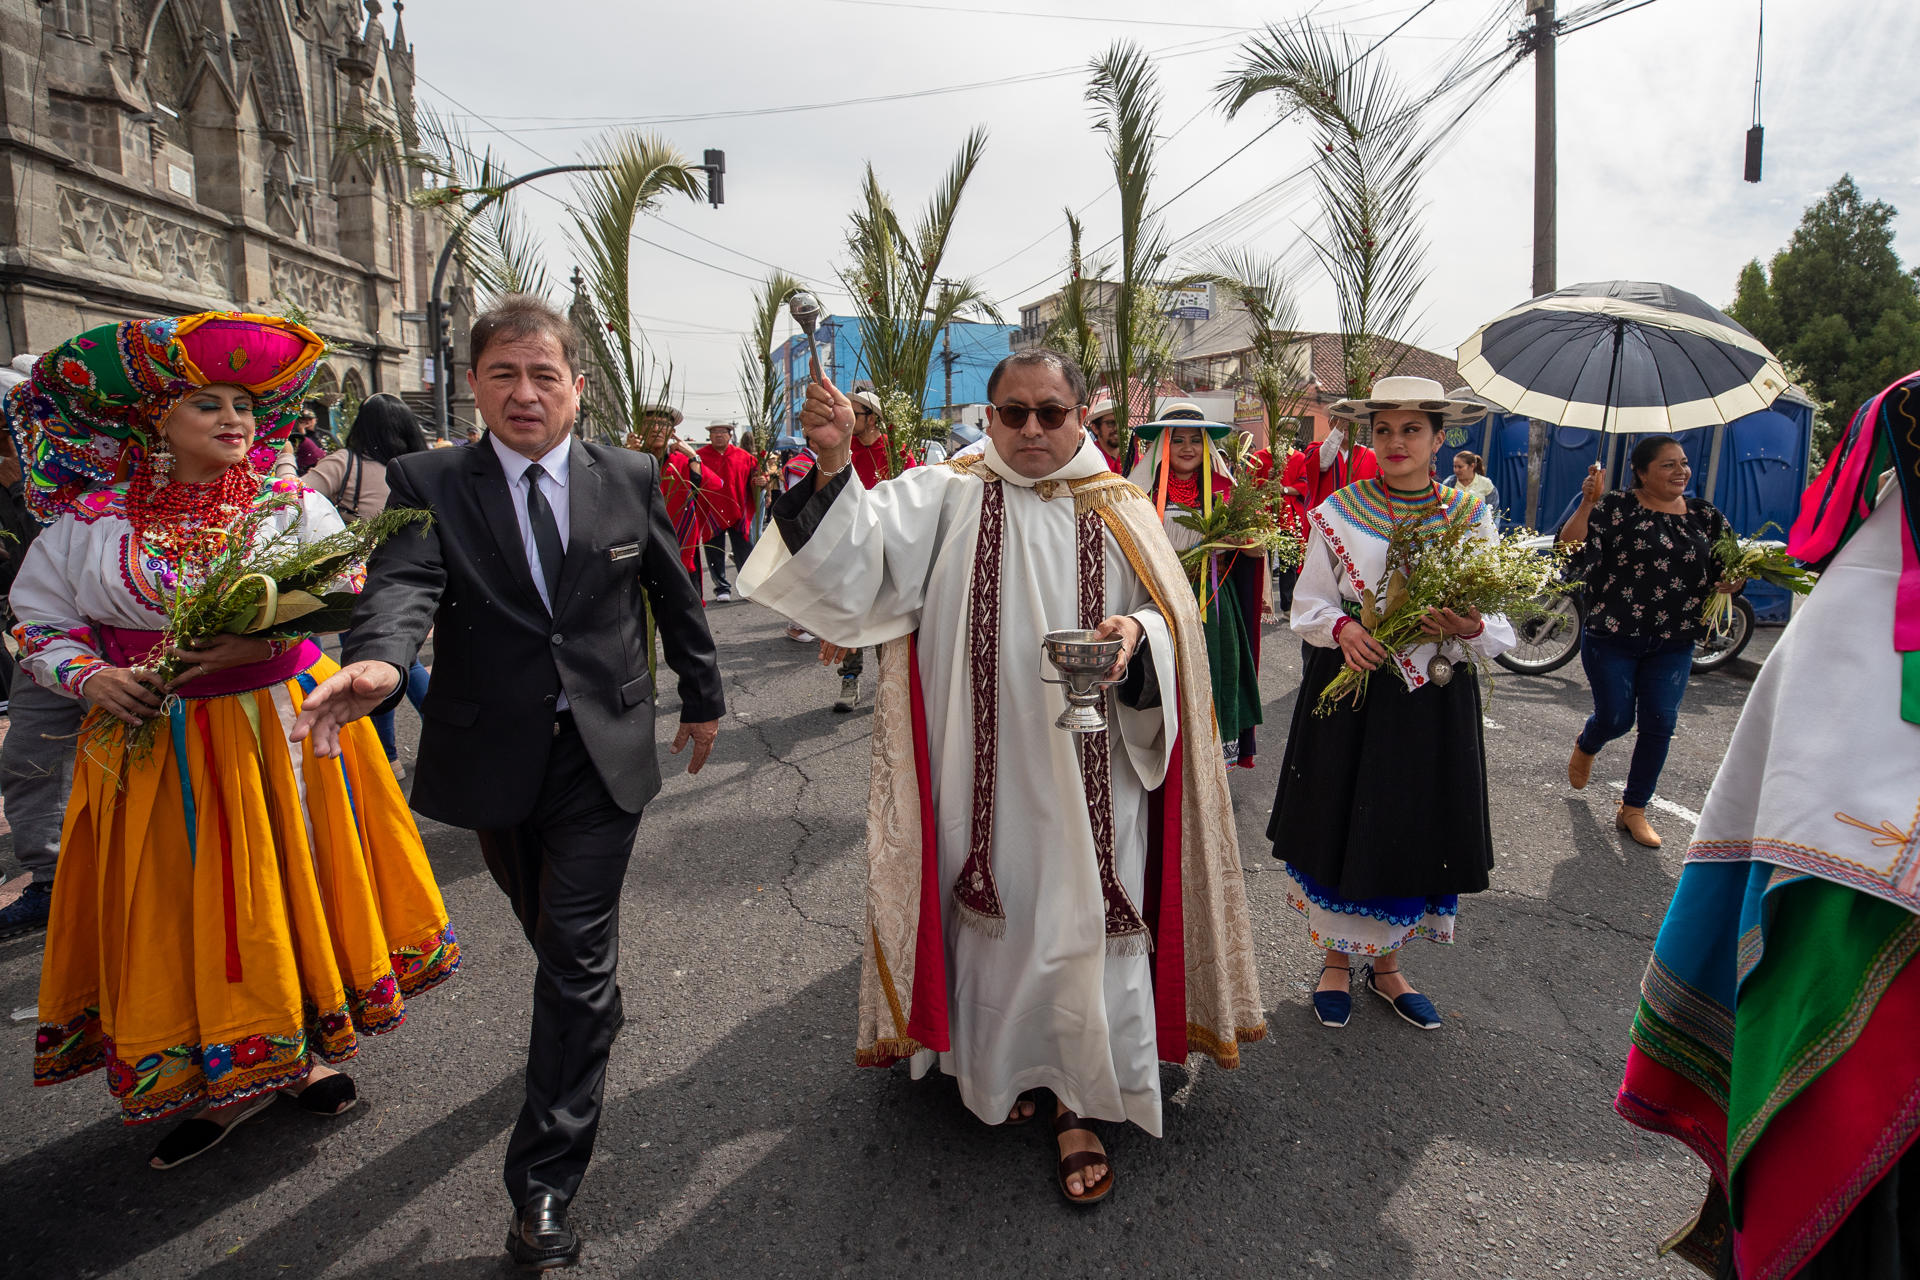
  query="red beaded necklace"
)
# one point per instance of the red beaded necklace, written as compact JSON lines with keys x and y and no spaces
{"x":1184,"y":491}
{"x":188,"y":522}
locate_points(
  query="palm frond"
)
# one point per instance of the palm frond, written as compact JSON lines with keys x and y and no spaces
{"x":641,"y":170}
{"x":491,"y":242}
{"x":1125,"y":95}
{"x":901,"y":297}
{"x":1076,"y":330}
{"x":1372,"y":150}
{"x":761,"y":386}
{"x":1258,"y":284}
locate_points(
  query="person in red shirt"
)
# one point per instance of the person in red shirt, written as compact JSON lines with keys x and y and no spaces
{"x":870,"y":442}
{"x":733,"y":468}
{"x":1333,"y":465}
{"x":683,"y":481}
{"x":869,"y":451}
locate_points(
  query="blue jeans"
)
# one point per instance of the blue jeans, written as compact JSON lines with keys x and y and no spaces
{"x":1641,"y":679}
{"x":417,"y":677}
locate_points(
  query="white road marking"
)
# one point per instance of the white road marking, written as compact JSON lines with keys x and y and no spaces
{"x":1491,"y":724}
{"x":1666,"y":806}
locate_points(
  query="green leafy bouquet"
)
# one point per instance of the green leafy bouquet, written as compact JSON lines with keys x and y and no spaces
{"x":1740,"y":558}
{"x":270,"y":586}
{"x":1245,"y":521}
{"x":1454,"y":568}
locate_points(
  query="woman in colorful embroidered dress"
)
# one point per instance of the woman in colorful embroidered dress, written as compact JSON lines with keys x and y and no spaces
{"x":1648,"y":565}
{"x":1776,"y":1033}
{"x":1381,"y":813}
{"x":1185,"y":470}
{"x":229,"y":915}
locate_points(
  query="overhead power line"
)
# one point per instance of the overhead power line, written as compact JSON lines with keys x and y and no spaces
{"x":1242,"y":150}
{"x":1185,"y":50}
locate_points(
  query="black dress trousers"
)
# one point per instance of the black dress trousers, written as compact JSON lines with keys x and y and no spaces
{"x":562,"y":869}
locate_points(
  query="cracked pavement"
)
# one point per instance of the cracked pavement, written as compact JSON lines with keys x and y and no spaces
{"x":739,"y":1139}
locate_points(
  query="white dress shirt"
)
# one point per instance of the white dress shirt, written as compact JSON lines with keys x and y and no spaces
{"x":554,"y":488}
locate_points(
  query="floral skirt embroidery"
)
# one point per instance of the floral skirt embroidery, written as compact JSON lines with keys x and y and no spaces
{"x":213,"y":927}
{"x":1372,"y":927}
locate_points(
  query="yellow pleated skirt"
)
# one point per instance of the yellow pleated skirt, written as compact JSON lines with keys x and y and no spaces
{"x":229,"y":903}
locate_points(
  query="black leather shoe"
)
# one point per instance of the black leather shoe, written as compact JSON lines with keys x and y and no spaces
{"x":541,"y":1239}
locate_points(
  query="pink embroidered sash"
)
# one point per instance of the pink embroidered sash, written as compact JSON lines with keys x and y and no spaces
{"x":128,"y":647}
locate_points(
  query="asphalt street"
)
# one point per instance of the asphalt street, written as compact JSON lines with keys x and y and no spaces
{"x":740,"y":1140}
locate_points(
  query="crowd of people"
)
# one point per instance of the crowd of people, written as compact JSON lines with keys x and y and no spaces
{"x":234,"y":888}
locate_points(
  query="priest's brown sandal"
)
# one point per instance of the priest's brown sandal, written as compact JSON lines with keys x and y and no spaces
{"x":1067,"y":1122}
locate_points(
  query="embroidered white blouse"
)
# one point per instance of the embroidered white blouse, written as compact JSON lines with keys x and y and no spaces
{"x":85,"y":571}
{"x":1347,"y":555}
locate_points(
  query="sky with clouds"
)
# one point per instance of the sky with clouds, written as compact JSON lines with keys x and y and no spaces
{"x":1654,"y":105}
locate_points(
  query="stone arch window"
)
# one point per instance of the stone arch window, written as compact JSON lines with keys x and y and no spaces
{"x":167,"y":70}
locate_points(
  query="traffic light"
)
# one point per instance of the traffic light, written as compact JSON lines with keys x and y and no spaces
{"x":716,"y":167}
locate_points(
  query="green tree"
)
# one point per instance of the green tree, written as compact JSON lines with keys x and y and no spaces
{"x":1836,"y":305}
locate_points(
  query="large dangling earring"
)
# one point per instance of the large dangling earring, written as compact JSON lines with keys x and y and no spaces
{"x":162,"y":463}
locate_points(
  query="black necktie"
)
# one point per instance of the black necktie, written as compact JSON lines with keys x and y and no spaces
{"x":546,"y":534}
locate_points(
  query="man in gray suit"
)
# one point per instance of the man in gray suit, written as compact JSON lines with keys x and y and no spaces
{"x":539,"y":725}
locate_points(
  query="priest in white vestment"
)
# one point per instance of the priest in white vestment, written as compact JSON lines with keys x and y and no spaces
{"x":1048,"y":910}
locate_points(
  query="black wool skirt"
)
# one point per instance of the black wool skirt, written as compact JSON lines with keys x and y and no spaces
{"x":1387,"y":799}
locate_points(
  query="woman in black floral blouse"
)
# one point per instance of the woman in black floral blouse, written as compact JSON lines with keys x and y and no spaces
{"x":1648,"y":566}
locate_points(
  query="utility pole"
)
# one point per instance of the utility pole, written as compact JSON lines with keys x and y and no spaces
{"x":1545,"y":249}
{"x":946,"y":358}
{"x":946,"y":355}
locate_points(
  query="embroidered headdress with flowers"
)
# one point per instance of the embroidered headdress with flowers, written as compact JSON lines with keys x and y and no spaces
{"x":87,"y":416}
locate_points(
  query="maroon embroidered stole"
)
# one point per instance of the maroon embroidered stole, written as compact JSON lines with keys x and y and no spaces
{"x":976,"y":895}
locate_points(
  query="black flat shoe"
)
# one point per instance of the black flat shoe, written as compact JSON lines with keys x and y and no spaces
{"x":541,"y":1239}
{"x":329,"y":1097}
{"x":200,"y":1135}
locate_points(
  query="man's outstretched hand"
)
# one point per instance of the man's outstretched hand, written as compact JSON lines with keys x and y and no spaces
{"x":701,"y":733}
{"x":339,"y":700}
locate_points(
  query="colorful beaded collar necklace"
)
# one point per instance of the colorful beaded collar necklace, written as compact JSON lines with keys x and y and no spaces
{"x":188,"y":522}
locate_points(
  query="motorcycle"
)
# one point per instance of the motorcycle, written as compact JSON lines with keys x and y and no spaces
{"x":1549,"y":640}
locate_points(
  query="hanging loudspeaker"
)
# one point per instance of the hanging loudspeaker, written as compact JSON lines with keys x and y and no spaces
{"x":1755,"y":136}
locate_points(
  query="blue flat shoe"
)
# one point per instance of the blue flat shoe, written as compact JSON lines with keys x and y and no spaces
{"x":1333,"y":1008}
{"x":1412,"y":1006}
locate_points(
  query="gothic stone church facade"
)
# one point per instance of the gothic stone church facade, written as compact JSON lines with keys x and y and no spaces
{"x":168,"y":156}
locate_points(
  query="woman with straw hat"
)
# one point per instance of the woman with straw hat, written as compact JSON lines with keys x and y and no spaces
{"x":1185,"y":471}
{"x":1367,"y":881}
{"x":229,"y":914}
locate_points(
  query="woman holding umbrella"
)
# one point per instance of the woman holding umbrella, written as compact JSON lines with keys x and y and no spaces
{"x":1648,"y":564}
{"x":1641,"y":358}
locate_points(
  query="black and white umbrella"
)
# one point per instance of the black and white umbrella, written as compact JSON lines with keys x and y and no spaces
{"x":1626,"y":357}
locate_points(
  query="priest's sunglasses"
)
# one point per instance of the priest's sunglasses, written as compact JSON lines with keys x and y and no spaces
{"x":1050,"y":416}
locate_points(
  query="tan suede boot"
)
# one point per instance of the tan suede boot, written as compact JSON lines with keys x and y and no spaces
{"x":1580,"y":768}
{"x":1634,"y":823}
